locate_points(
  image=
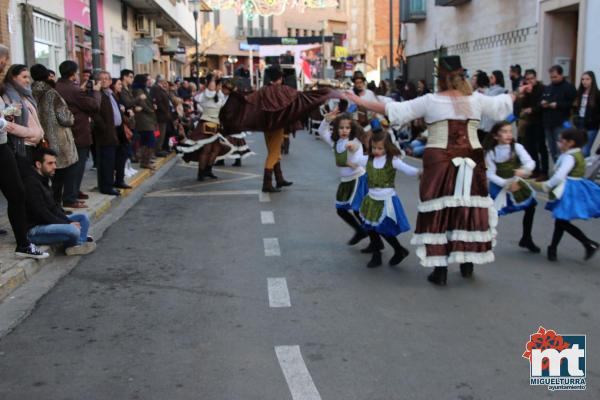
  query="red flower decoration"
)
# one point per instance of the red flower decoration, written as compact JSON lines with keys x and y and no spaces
{"x":544,"y":339}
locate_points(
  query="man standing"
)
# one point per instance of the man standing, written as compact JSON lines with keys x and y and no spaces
{"x":105,"y":135}
{"x":557,"y":102}
{"x":126,"y":96}
{"x":48,"y":224}
{"x":515,"y":77}
{"x":160,"y":96}
{"x":531,"y":111}
{"x":83,"y":106}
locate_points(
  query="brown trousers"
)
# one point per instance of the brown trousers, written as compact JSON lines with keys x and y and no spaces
{"x":273,"y":139}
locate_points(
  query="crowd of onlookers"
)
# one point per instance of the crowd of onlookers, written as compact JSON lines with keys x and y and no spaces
{"x":51,"y":123}
{"x":541,"y":111}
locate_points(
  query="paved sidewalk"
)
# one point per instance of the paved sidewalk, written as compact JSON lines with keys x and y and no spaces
{"x":16,"y":271}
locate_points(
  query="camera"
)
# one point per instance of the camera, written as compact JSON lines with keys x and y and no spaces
{"x":90,"y":85}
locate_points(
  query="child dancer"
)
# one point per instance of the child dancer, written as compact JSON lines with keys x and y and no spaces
{"x":381,"y":210}
{"x":507,"y":164}
{"x":348,"y":152}
{"x":571,"y":195}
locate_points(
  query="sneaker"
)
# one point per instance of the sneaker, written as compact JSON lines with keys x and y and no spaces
{"x":31,"y":251}
{"x":80,"y":250}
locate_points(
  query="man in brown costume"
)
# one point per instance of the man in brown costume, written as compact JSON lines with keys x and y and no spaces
{"x":270,"y":109}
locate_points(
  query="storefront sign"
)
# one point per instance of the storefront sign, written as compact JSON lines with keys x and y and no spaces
{"x":78,"y":11}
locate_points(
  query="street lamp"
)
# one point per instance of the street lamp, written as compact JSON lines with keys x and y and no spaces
{"x":196,"y":10}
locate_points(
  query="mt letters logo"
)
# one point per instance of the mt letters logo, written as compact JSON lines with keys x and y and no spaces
{"x":556,"y":361}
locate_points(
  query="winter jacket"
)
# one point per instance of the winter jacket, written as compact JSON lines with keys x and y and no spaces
{"x":83,"y":106}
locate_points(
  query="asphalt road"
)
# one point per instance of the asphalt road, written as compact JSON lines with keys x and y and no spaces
{"x":180,"y":302}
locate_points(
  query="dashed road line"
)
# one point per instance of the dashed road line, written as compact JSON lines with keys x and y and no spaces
{"x":267,"y":217}
{"x":296,"y":374}
{"x":271,"y":246}
{"x":279,"y":296}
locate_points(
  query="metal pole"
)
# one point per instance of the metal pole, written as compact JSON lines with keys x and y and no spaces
{"x":197,"y":55}
{"x":95,"y":37}
{"x":391,"y":63}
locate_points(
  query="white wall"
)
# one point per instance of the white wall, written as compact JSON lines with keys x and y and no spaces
{"x":117,"y":40}
{"x":591,"y":56}
{"x":478,"y":27}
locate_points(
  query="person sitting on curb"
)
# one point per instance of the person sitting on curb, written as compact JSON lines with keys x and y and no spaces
{"x":46,"y":220}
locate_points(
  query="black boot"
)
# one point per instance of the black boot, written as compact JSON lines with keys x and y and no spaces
{"x":372,"y":247}
{"x":358,"y":236}
{"x":528,"y":244}
{"x":400,"y":253}
{"x":237,"y":163}
{"x":438,"y":276}
{"x":552,"y":253}
{"x":220,"y":163}
{"x":590,"y":249}
{"x":279,"y":177}
{"x":268,"y":182}
{"x":208,"y":172}
{"x":200,"y":176}
{"x":375,"y":260}
{"x":466,"y":270}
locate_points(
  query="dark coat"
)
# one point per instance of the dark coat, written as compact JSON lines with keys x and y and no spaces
{"x":563,"y":94}
{"x":105,"y":132}
{"x":82,"y":106}
{"x":532,"y":100}
{"x":145,"y":120}
{"x":126,"y":98}
{"x":41,"y":207}
{"x":591,"y":119}
{"x":160,"y":97}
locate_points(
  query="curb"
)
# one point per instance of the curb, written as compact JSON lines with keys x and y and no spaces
{"x":25,"y":269}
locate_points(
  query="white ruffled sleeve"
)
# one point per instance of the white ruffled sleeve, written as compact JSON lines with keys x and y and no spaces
{"x":496,"y":108}
{"x":325,"y":132}
{"x":400,"y":113}
{"x":527,"y":162}
{"x":490,"y":163}
{"x":400,"y":165}
{"x":565,"y":163}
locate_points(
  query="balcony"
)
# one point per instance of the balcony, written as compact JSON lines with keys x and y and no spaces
{"x":451,"y":3}
{"x":413,"y":10}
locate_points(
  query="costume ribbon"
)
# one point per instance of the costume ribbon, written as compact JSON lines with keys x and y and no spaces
{"x":464,"y":178}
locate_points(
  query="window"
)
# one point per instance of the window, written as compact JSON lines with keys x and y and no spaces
{"x":217,"y":17}
{"x":48,"y":41}
{"x":205,"y":18}
{"x":290,"y":33}
{"x":117,"y":65}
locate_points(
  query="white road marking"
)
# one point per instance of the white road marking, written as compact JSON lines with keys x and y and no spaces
{"x":207,"y":193}
{"x":264,"y":197}
{"x":278,"y":293}
{"x":296,"y":374}
{"x":271,"y":247}
{"x":267,"y":217}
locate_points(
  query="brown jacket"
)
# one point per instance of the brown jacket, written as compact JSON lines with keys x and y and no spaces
{"x":82,"y":106}
{"x":105,"y":132}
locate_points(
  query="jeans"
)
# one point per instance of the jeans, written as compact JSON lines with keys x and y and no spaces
{"x":61,"y":233}
{"x":82,"y":153}
{"x":591,"y":136}
{"x":106,"y":168}
{"x":535,"y":145}
{"x":418,"y":148}
{"x":552,"y":139}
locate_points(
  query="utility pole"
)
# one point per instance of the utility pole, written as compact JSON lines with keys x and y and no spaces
{"x":391,"y":62}
{"x":95,"y":37}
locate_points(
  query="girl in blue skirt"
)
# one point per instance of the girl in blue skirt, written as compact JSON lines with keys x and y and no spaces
{"x":381,"y":211}
{"x":572,"y":196}
{"x":508,"y":163}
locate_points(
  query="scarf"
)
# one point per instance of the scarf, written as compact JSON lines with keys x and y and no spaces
{"x":16,"y":93}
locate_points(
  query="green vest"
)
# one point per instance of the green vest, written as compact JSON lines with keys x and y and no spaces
{"x":381,"y":178}
{"x":341,"y":159}
{"x":506,"y":170}
{"x":578,"y":170}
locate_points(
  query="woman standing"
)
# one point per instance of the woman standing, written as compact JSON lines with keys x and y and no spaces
{"x":145,"y":119}
{"x":56,"y":120}
{"x":26,"y":131}
{"x":587,"y":109}
{"x":457,"y":221}
{"x":122,"y":135}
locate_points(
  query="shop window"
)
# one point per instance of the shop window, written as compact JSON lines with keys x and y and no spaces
{"x":48,"y":39}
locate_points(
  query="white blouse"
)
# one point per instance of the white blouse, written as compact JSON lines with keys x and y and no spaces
{"x":502,"y":153}
{"x":397,"y":163}
{"x":354,"y":157}
{"x":435,"y":108}
{"x":210,"y":107}
{"x":564,"y":165}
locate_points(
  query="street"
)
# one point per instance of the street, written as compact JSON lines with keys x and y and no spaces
{"x":181,"y":301}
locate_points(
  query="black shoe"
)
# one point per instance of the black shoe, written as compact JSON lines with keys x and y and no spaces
{"x":371,"y":248}
{"x":122,"y":185}
{"x":466,"y":270}
{"x":284,"y":183}
{"x":358,"y":236}
{"x":439,"y":276}
{"x":529,"y":245}
{"x":375,"y":260}
{"x":200,"y":176}
{"x":208,"y":172}
{"x":31,"y":251}
{"x":552,"y":253}
{"x":271,"y":190}
{"x":112,"y":192}
{"x":399,"y":256}
{"x":237,"y":163}
{"x":590,"y":249}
